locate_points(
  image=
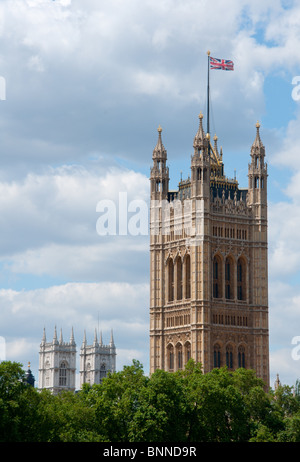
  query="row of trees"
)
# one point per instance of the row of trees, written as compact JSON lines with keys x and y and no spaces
{"x":187,"y":406}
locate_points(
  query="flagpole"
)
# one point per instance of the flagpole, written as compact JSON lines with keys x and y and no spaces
{"x":208,"y":59}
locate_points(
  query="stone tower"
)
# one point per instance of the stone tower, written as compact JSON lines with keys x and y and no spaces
{"x":57,"y":364}
{"x":208,"y":262}
{"x":96,"y":360}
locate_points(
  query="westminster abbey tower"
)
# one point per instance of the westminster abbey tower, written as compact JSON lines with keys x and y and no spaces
{"x":208,"y":262}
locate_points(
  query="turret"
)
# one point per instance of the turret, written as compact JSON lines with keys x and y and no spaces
{"x":257,"y":176}
{"x":200,"y":163}
{"x":159,"y":176}
{"x":30,"y":380}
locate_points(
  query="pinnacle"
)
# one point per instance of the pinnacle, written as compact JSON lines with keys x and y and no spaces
{"x":257,"y":142}
{"x":159,"y":150}
{"x":200,"y":136}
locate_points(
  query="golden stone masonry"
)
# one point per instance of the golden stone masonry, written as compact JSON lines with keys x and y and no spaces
{"x":209,"y":262}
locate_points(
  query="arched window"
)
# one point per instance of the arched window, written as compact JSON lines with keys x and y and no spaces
{"x":88,"y":376}
{"x":171,"y":281}
{"x":241,"y":279}
{"x":187,"y":351}
{"x":229,"y":357}
{"x":229,"y":278}
{"x":170,"y":351}
{"x":179,"y":278}
{"x":187,"y":276}
{"x":217,"y":355}
{"x":217,"y":277}
{"x":102,"y":371}
{"x":241,"y":357}
{"x":63,"y":374}
{"x":179,"y":356}
{"x":199,"y":173}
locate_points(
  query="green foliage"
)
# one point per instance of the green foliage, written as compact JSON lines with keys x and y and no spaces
{"x":161,"y":410}
{"x":186,"y":406}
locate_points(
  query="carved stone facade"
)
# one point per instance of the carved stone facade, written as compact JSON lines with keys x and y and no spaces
{"x":96,"y":360}
{"x":57,"y":362}
{"x":209,"y":263}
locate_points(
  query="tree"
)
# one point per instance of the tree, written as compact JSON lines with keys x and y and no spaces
{"x":217,"y":409}
{"x":115,"y":402}
{"x":161,"y":410}
{"x":22,"y":411}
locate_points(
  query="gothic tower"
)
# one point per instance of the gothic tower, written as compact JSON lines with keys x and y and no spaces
{"x":208,"y":262}
{"x":57,"y":364}
{"x":96,"y":360}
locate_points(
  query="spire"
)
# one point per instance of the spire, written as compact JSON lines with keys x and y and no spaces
{"x":84,"y":340}
{"x":159,"y":150}
{"x":200,"y":135}
{"x":44,"y":337}
{"x":61,"y":337}
{"x":100,"y":340}
{"x":55,"y":336}
{"x":277,"y":382}
{"x":95,"y":338}
{"x":216,"y":144}
{"x":257,"y":144}
{"x":72,"y":339}
{"x":111,"y":343}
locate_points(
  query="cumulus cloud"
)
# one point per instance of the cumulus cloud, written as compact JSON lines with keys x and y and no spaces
{"x":83,"y":306}
{"x":59,"y":206}
{"x":87,"y":85}
{"x":82,"y":69}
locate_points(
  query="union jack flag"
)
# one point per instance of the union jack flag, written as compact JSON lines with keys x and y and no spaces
{"x":223,"y":64}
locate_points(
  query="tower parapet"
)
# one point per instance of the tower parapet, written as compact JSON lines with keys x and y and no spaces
{"x":57,"y":363}
{"x":96,"y":360}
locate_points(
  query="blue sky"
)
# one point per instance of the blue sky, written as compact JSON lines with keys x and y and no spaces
{"x":87,"y":84}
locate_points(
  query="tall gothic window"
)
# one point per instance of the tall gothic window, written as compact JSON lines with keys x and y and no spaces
{"x":179,"y":278}
{"x":217,"y":356}
{"x":187,"y":351}
{"x":179,"y":356}
{"x":187,"y":276}
{"x":102,"y":371}
{"x":171,"y":281}
{"x":241,"y":357}
{"x":229,"y":278}
{"x":241,"y":279}
{"x":170,"y":358}
{"x":217,"y":277}
{"x":88,"y":376}
{"x":63,"y":375}
{"x":229,"y":357}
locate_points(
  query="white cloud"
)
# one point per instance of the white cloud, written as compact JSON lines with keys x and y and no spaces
{"x":284,"y":238}
{"x":59,"y":206}
{"x":118,"y":306}
{"x":95,"y":79}
{"x":282,"y":363}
